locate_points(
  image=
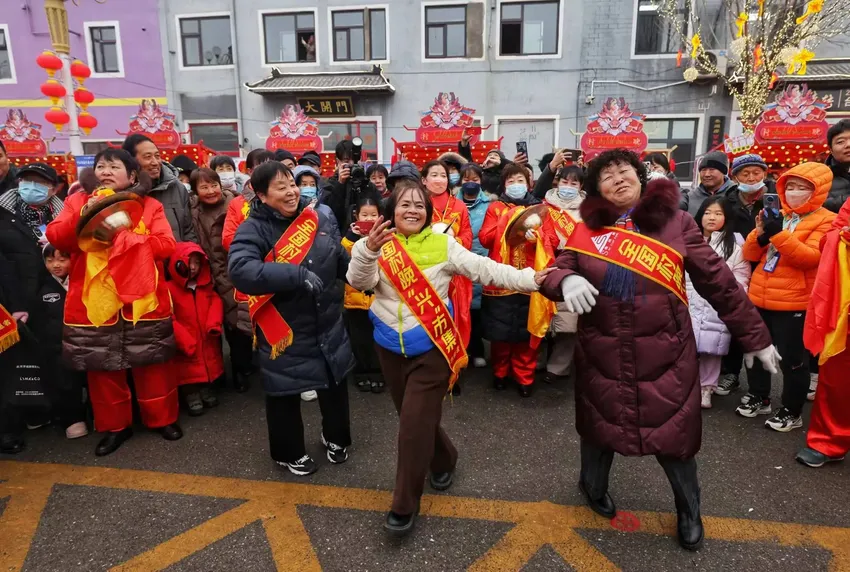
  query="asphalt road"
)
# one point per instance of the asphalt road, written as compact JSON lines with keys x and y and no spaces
{"x":511,"y":449}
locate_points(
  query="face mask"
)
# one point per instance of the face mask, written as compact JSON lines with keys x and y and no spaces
{"x":471,"y":188}
{"x":454,"y":178}
{"x":228,"y":179}
{"x":435,"y":187}
{"x":516,"y":191}
{"x":567,"y":192}
{"x":188,"y":186}
{"x":309,"y":192}
{"x":797,"y":198}
{"x":755,"y":187}
{"x":33,"y":193}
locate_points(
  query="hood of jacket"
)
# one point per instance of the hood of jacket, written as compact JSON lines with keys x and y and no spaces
{"x":657,"y":205}
{"x":181,"y":257}
{"x":818,"y":175}
{"x":301,"y":170}
{"x":167,"y":175}
{"x":453,"y":158}
{"x":404,"y":170}
{"x":556,"y":201}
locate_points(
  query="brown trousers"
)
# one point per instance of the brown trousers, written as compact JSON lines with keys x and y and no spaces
{"x":418,"y":386}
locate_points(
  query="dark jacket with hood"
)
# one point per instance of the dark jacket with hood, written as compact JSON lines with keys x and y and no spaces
{"x":20,"y":247}
{"x":320,"y":355}
{"x":491,"y":179}
{"x":341,"y":198}
{"x":691,"y":200}
{"x":840,"y":191}
{"x":743,"y":216}
{"x":10,"y":181}
{"x":638,"y":390}
{"x":174,"y":197}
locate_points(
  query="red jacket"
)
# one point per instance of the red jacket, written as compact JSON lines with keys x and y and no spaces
{"x":198,"y":318}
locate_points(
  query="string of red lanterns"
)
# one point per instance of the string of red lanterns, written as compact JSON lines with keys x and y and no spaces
{"x":58,"y":115}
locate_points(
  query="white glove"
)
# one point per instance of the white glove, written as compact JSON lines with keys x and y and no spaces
{"x":768,"y":357}
{"x":579,"y":294}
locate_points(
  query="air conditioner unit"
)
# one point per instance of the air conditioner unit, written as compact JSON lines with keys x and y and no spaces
{"x":719,"y":59}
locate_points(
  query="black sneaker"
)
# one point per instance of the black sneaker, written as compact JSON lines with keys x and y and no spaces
{"x":748,"y":398}
{"x":784,"y":421}
{"x":812,"y":458}
{"x":208,"y":397}
{"x":336,"y":454}
{"x":377,"y":386}
{"x":302,"y":467}
{"x":754,"y":408}
{"x":364,"y":385}
{"x":194,"y":404}
{"x":728,"y":384}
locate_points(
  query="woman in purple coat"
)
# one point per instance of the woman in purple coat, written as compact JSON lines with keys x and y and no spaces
{"x":638,"y":391}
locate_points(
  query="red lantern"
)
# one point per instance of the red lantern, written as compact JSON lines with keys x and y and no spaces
{"x":54,"y":90}
{"x":58,"y":117}
{"x":84,"y":97}
{"x":49,"y":61}
{"x":80,"y":71}
{"x":87,"y":122}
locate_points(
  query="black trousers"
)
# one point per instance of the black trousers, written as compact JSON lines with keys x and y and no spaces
{"x":786,"y":329}
{"x":64,"y":389}
{"x":733,"y":361}
{"x":241,"y":350}
{"x":682,"y":474}
{"x":475,"y":349}
{"x":286,"y":428}
{"x":362,"y":336}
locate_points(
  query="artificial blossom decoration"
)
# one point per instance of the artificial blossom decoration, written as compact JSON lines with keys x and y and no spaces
{"x":691,"y":74}
{"x":799,"y":61}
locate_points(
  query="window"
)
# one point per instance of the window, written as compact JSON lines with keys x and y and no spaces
{"x":653,"y":34}
{"x":333,"y":133}
{"x":95,"y":147}
{"x":679,"y":133}
{"x":7,"y":64}
{"x":445,"y":32}
{"x":529,"y":28}
{"x":205,"y":41}
{"x":290,"y":38}
{"x":103,"y":44}
{"x":220,"y":137}
{"x":350,"y":30}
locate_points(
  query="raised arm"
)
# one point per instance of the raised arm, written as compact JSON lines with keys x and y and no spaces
{"x":363,"y":269}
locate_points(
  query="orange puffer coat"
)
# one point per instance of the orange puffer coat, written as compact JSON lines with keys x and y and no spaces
{"x":789,"y":286}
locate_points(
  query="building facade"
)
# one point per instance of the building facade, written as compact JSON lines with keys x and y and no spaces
{"x":119,"y":40}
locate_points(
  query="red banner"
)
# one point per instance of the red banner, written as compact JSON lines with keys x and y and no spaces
{"x":615,"y":126}
{"x":445,"y":122}
{"x":294,"y":131}
{"x":155,"y":123}
{"x":796,"y":115}
{"x":20,"y":136}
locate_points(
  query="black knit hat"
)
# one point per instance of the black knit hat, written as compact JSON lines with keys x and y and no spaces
{"x":715,"y":160}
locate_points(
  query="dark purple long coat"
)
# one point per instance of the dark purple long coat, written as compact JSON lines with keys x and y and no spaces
{"x":638,"y":378}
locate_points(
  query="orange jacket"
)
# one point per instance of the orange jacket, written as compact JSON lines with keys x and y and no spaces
{"x":355,"y":299}
{"x":789,"y":286}
{"x":236,"y":215}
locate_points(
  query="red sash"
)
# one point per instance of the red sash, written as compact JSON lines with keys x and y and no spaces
{"x":425,"y":304}
{"x":9,"y":335}
{"x":290,"y":249}
{"x":640,"y":254}
{"x":460,"y":288}
{"x":245,"y":211}
{"x":565,"y":225}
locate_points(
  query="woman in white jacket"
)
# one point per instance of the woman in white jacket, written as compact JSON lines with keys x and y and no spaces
{"x":711,"y":333}
{"x":407,"y":266}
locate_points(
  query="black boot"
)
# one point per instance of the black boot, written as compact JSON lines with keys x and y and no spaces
{"x":683,"y":480}
{"x":241,"y":381}
{"x":593,"y":481}
{"x":441,"y":481}
{"x":525,"y":390}
{"x":171,"y":432}
{"x":400,"y":525}
{"x":500,"y":383}
{"x":11,"y":444}
{"x":112,"y":441}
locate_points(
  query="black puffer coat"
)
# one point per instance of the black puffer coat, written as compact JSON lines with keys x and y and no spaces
{"x":320,"y":354}
{"x":840,"y":191}
{"x":21,"y":249}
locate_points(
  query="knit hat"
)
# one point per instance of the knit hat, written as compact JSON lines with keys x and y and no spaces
{"x":749,"y":160}
{"x":715,"y":160}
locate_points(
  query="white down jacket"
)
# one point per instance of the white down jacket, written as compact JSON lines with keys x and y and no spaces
{"x":439,"y":257}
{"x":711,"y":333}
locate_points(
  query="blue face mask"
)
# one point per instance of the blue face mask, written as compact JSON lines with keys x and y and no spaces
{"x":567,"y":192}
{"x":516,"y":191}
{"x":33,"y":193}
{"x":309,"y":192}
{"x":745,"y":188}
{"x":454,"y":179}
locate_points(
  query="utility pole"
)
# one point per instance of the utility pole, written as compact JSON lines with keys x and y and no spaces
{"x":57,"y":22}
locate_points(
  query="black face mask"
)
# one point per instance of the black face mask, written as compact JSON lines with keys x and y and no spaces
{"x":471,"y":188}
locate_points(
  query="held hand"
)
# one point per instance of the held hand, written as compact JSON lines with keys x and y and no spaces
{"x":558,"y":160}
{"x":344,"y":173}
{"x":380,"y":234}
{"x":760,"y":223}
{"x":531,"y":235}
{"x":579,"y":294}
{"x":521,"y":159}
{"x":488,"y":162}
{"x":356,"y":230}
{"x":465,"y":138}
{"x":21,"y":316}
{"x":540,"y":276}
{"x":768,"y":357}
{"x":313,"y":283}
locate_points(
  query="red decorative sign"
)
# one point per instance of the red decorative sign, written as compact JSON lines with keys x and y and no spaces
{"x":20,"y":136}
{"x":445,"y":122}
{"x":614,"y":127}
{"x":294,"y":131}
{"x":796,"y":115}
{"x":156,"y":124}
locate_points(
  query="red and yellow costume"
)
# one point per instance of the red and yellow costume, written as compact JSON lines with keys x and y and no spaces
{"x":118,"y":316}
{"x":452,"y":212}
{"x":826,"y":335}
{"x":237,"y":212}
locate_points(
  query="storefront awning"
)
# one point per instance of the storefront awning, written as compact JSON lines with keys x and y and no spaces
{"x":372,"y":81}
{"x":827,"y":69}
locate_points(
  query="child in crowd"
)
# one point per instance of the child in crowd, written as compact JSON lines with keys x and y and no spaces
{"x":198,"y":322}
{"x":65,"y":386}
{"x":367,"y":372}
{"x":712,"y":335}
{"x":307,"y":178}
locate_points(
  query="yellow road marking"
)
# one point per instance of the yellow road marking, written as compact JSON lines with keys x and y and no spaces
{"x":275,"y":505}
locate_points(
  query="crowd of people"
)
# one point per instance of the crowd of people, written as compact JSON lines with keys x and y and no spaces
{"x":119,"y":293}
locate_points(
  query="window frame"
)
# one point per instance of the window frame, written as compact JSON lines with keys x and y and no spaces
{"x":377,"y":120}
{"x":360,"y":8}
{"x":234,"y":122}
{"x":699,"y":141}
{"x":450,"y":4}
{"x":14,"y":76}
{"x":261,"y":20}
{"x":90,"y":45}
{"x":181,"y":53}
{"x":559,"y":41}
{"x":444,"y":25}
{"x":632,"y":53}
{"x":110,"y":143}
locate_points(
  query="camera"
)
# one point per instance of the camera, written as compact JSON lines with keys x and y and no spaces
{"x":357,"y":177}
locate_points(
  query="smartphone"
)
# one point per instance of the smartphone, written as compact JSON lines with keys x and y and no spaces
{"x":364,"y":226}
{"x":771,"y":204}
{"x":522,"y":147}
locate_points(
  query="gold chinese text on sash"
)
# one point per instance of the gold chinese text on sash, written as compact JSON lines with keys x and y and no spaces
{"x":425,"y":304}
{"x":565,"y":225}
{"x":642,"y":255}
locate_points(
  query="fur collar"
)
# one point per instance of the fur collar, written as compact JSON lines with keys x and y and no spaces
{"x":657,"y":205}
